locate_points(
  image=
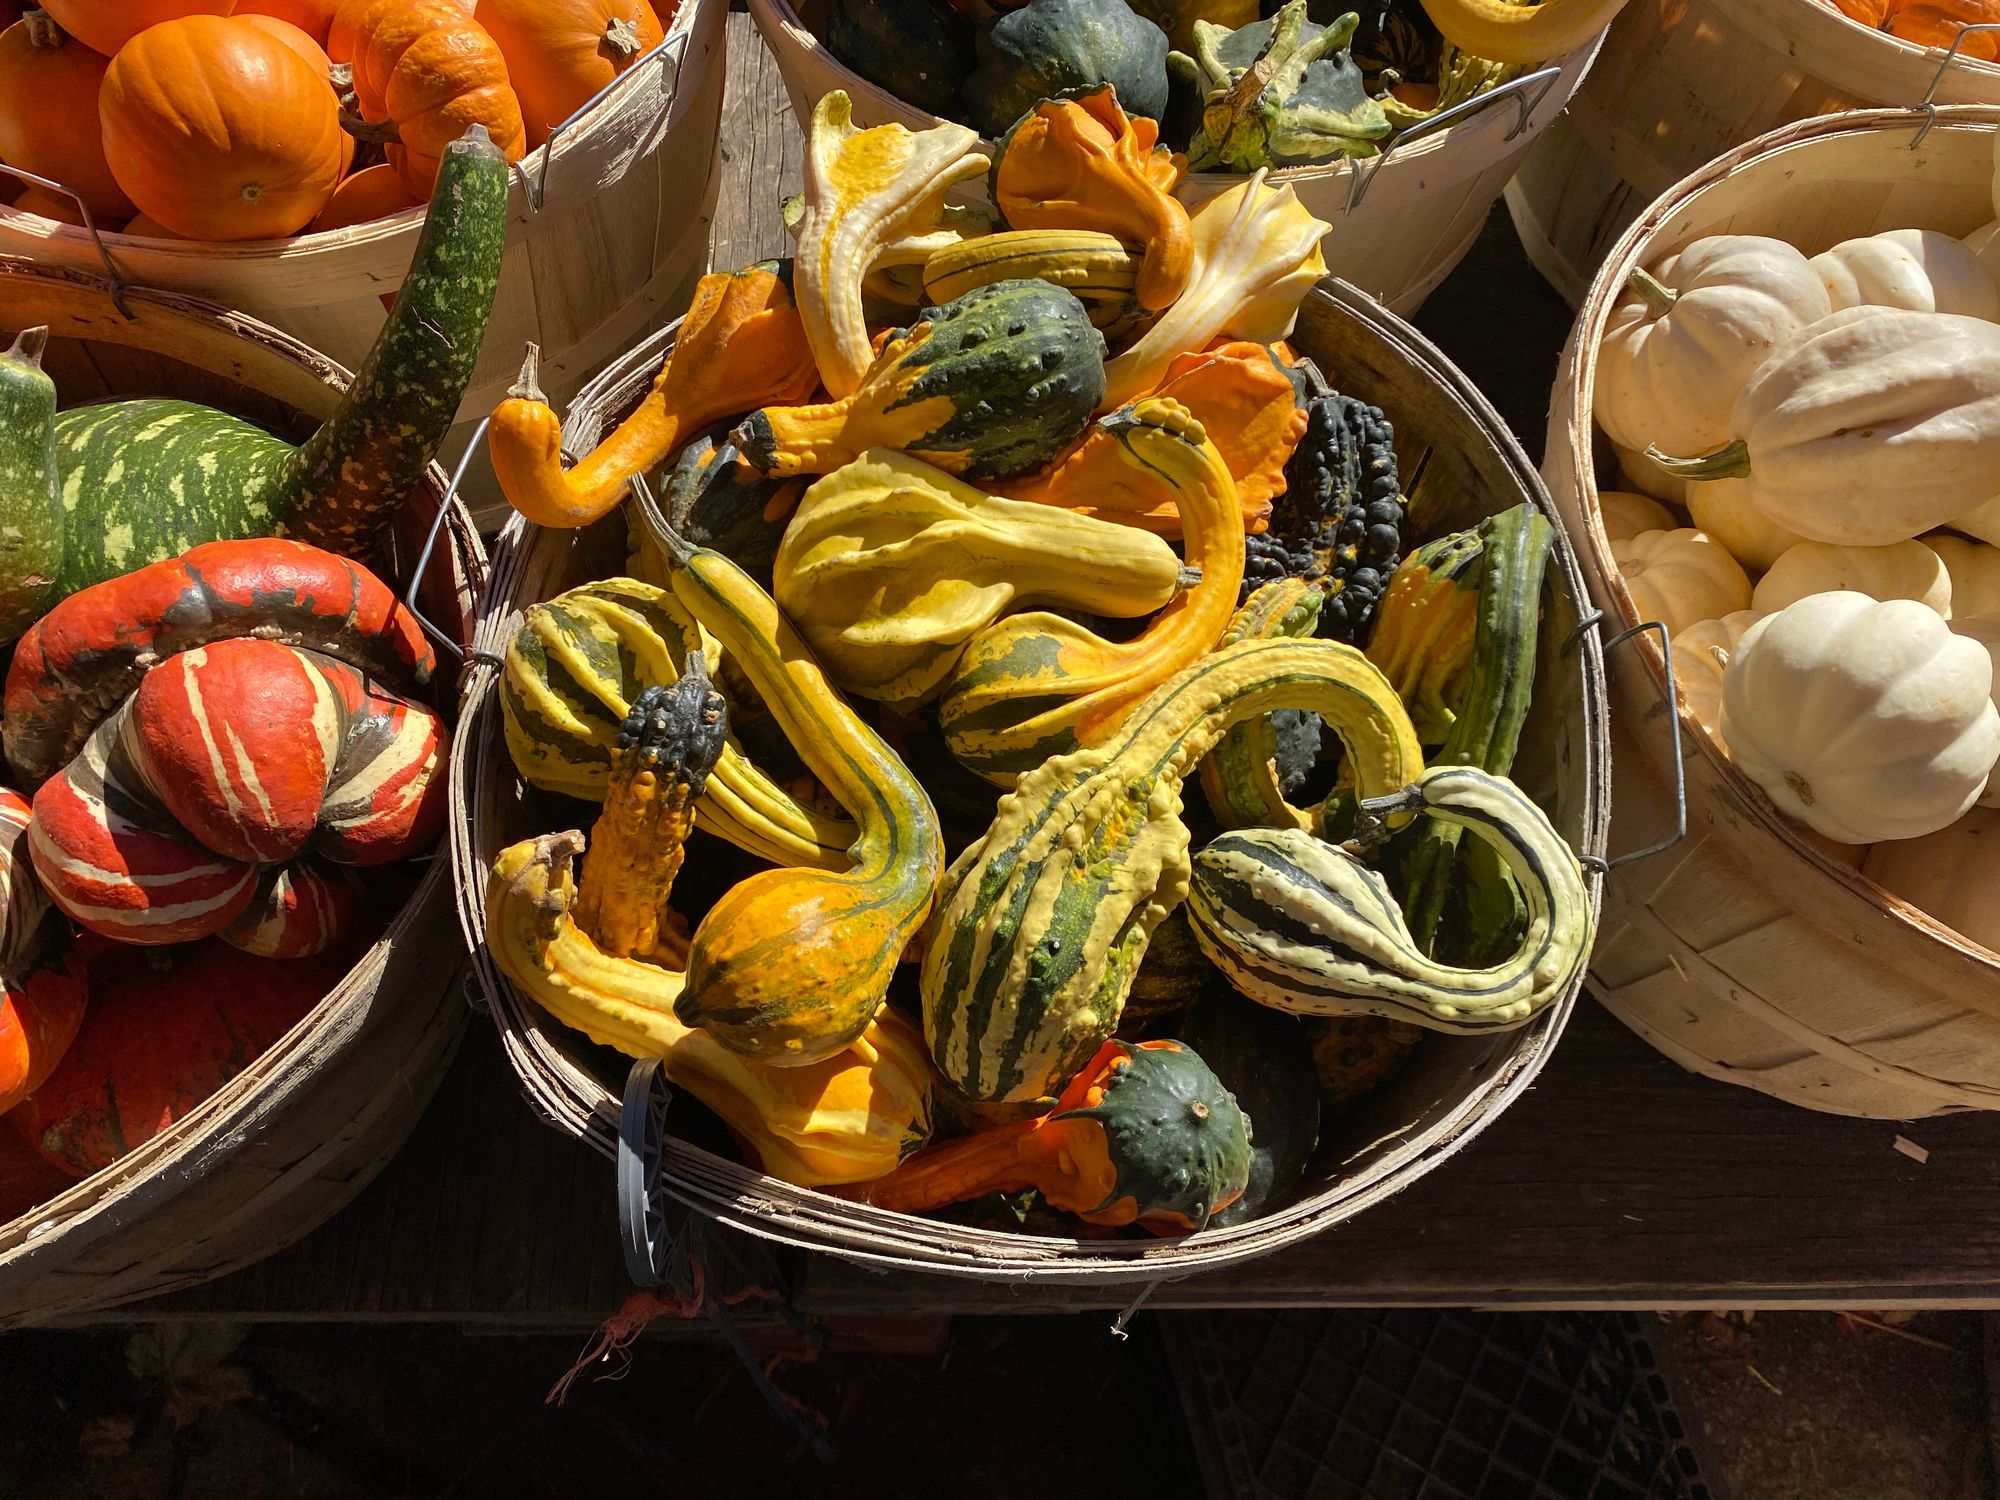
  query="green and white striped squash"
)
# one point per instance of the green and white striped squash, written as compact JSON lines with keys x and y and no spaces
{"x":1041,"y":925}
{"x":1302,"y":925}
{"x":31,"y":517}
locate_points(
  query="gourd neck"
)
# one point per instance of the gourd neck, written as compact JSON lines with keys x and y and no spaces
{"x":1655,"y":293}
{"x":1732,"y":462}
{"x":28,"y":347}
{"x":993,"y":1161}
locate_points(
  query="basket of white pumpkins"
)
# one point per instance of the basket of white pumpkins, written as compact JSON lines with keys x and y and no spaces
{"x":1777,"y":429}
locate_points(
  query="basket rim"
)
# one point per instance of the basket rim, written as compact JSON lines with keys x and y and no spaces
{"x":1829,"y":21}
{"x":135,"y":1185}
{"x":1576,"y":395}
{"x":405,"y":224}
{"x":747,"y":1199}
{"x":782,"y":18}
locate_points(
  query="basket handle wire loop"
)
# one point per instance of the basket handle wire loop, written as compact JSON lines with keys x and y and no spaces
{"x":116,"y":282}
{"x":1595,"y":621}
{"x":1927,"y":106}
{"x":1528,"y":91}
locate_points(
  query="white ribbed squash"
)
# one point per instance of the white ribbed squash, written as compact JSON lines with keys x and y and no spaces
{"x":1625,"y":514}
{"x":1686,"y":335}
{"x":1975,"y":574}
{"x":1864,"y":720}
{"x":1919,"y":269}
{"x":1701,"y":655}
{"x":1901,"y":570}
{"x":1873,"y":425}
{"x":1723,"y":509}
{"x":1679,"y":577}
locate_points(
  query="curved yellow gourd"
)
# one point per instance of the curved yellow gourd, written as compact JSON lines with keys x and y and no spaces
{"x":890,"y":566}
{"x":1037,"y":685}
{"x":1520,"y":34}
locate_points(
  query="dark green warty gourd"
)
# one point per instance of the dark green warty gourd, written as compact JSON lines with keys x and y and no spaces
{"x":919,"y":50}
{"x":1050,"y":46}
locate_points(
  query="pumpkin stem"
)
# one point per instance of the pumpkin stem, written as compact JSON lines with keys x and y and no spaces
{"x":1732,"y":462}
{"x":42,"y":29}
{"x":527,"y":385}
{"x":28,"y":347}
{"x":1655,"y":293}
{"x":374,"y":132}
{"x":620,"y":40}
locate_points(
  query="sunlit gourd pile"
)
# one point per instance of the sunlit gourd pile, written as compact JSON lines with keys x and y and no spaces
{"x":1234,"y":87}
{"x":1812,"y":449}
{"x":959,"y":543}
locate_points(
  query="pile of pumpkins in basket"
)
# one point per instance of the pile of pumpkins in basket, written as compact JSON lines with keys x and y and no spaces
{"x":217,"y":714}
{"x":1826,"y":431}
{"x":256,"y":119}
{"x":1929,"y":23}
{"x":1233,"y":89}
{"x":958,"y":544}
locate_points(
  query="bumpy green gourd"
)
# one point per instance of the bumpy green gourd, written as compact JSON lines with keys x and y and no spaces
{"x":1302,"y":925}
{"x":1040,"y":925}
{"x":31,"y":513}
{"x":1048,"y":47}
{"x":1281,"y":92}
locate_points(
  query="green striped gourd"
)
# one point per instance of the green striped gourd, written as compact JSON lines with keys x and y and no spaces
{"x":1425,"y":626}
{"x":147,"y":479}
{"x":1240,"y":776}
{"x":1094,"y":268}
{"x":31,"y":516}
{"x":1041,"y":924}
{"x":1302,"y":925}
{"x":572,"y":673}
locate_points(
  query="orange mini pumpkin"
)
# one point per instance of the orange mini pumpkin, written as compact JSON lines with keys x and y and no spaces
{"x":424,"y":72}
{"x":308,"y":47}
{"x":221,"y":131}
{"x":313,"y":17}
{"x":57,"y":206}
{"x":107,"y":25}
{"x":562,"y":52}
{"x":1937,"y":23}
{"x":48,"y":111}
{"x":370,"y":194}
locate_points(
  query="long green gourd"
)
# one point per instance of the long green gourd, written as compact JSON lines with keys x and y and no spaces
{"x":31,"y":516}
{"x":1041,"y":924}
{"x":147,"y":479}
{"x":1499,"y":688}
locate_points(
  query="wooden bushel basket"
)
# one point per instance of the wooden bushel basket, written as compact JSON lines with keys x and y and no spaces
{"x":1460,"y":463}
{"x":302,"y":1130}
{"x":1678,"y":83}
{"x":607,"y":231}
{"x":1746,"y":953}
{"x":1401,"y":221}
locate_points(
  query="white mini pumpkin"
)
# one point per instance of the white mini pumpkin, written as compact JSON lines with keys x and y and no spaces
{"x":1863,"y":720}
{"x":1920,"y":269}
{"x":1624,"y":514}
{"x":1975,"y":574}
{"x":1680,"y":577}
{"x":1641,"y":474}
{"x":1701,"y":655}
{"x":1686,"y":334}
{"x":1875,"y":424}
{"x":1723,"y":508}
{"x":1901,"y":570}
{"x":1984,"y":243}
{"x":1985,"y":629}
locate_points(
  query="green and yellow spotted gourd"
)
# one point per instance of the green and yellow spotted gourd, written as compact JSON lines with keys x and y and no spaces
{"x":1302,"y":925}
{"x":1041,"y":925}
{"x":572,"y":673}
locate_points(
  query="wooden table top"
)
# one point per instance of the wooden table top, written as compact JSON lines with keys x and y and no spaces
{"x":1617,"y":1181}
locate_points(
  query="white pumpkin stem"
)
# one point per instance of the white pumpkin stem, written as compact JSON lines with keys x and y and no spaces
{"x":28,"y":347}
{"x":1655,"y":293}
{"x":620,"y":40}
{"x":1732,"y":462}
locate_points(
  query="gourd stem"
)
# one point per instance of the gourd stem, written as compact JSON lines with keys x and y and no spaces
{"x":1732,"y":462}
{"x":527,"y":385}
{"x":42,"y":29}
{"x":28,"y":347}
{"x":1655,"y":293}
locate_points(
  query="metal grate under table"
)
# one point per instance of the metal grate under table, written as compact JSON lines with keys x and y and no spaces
{"x":1435,"y":1405}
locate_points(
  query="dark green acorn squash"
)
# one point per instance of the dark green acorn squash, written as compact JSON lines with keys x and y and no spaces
{"x":919,"y":50}
{"x":1339,"y":523}
{"x":1050,"y":46}
{"x":1265,"y":1058}
{"x":1309,"y":104}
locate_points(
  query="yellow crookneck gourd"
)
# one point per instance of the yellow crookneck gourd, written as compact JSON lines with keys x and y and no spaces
{"x":742,"y":345}
{"x":873,"y":199}
{"x":1037,"y":685}
{"x":605,"y":954}
{"x":1083,"y":163}
{"x":1521,"y":34}
{"x":890,"y":567}
{"x":790,"y":966}
{"x":1256,"y":254}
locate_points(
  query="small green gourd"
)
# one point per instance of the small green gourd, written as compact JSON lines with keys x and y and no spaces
{"x":1281,"y":93}
{"x":31,"y":539}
